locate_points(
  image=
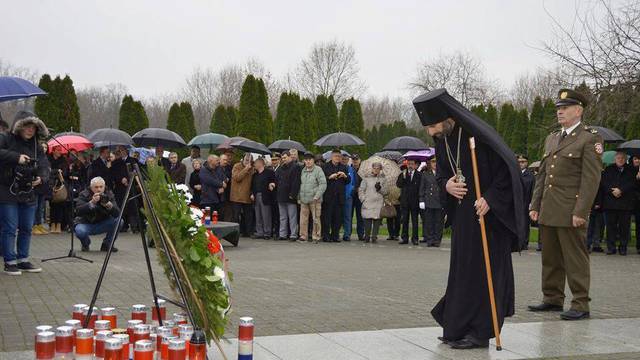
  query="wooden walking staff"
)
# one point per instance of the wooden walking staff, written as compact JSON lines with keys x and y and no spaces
{"x":485,"y":246}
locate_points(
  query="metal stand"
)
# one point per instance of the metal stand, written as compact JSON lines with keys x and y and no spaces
{"x":135,"y":176}
{"x":72,"y":252}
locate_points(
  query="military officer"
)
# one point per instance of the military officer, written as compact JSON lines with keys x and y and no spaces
{"x":566,"y":186}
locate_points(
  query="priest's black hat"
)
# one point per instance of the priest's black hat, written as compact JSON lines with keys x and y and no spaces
{"x":430,"y":108}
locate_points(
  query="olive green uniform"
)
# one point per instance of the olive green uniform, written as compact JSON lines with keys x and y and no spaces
{"x":566,"y":185}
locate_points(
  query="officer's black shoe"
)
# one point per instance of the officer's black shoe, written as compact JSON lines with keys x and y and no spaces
{"x":574,"y":315}
{"x":469,"y":343}
{"x":597,"y":249}
{"x":545,"y":307}
{"x":444,"y":341}
{"x":414,"y":242}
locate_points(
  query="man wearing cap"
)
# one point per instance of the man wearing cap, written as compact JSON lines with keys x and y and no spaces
{"x":528,"y":182}
{"x":464,"y":312}
{"x":567,"y":184}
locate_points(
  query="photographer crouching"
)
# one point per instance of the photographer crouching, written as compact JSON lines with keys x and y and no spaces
{"x":97,"y":213}
{"x":23,"y":165}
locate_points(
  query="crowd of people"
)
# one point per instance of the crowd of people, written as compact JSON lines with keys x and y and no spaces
{"x":288,"y":196}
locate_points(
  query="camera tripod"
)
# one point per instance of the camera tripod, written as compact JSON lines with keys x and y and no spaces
{"x":72,"y":252}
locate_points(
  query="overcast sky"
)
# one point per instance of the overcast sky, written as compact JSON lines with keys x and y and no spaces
{"x":151,"y":46}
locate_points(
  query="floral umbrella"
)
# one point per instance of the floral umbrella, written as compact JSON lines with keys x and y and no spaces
{"x":391,"y":171}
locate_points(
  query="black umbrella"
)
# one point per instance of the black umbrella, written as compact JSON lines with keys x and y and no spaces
{"x":158,"y":137}
{"x":631,"y":147}
{"x":250,"y":146}
{"x":283,"y":145}
{"x":109,"y":137}
{"x":608,"y":135}
{"x":339,"y":139}
{"x":405,"y":143}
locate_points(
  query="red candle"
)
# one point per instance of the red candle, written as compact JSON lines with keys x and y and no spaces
{"x":141,"y":332}
{"x":177,"y":350}
{"x":164,"y":351}
{"x":163,"y":311}
{"x":92,"y":319}
{"x":84,"y":344}
{"x":198,"y":346}
{"x":109,"y":313}
{"x":162,"y":331}
{"x":42,"y":328}
{"x":131,"y":324}
{"x":124,"y":340}
{"x":102,"y":325}
{"x":45,"y":345}
{"x":112,"y":349}
{"x":143,"y":350}
{"x":139,"y":312}
{"x":185,"y":331}
{"x":78,"y":311}
{"x":75,"y":324}
{"x":101,"y":336}
{"x":64,"y":342}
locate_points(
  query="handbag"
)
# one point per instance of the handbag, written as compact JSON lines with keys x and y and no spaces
{"x":60,"y":192}
{"x":388,"y":211}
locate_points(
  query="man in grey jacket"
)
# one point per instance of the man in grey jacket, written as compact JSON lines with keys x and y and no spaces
{"x":312,"y":186}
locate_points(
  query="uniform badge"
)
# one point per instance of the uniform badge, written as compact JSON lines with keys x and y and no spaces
{"x":563,"y":95}
{"x":599,"y":148}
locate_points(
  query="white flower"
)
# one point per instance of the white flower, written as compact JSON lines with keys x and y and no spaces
{"x":192,"y":231}
{"x":217,"y":271}
{"x":182,"y":187}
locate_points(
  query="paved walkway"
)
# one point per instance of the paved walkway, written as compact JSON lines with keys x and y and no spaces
{"x":292,"y":288}
{"x":592,"y":339}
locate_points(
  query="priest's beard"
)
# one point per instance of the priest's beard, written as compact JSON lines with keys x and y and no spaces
{"x":447,"y":129}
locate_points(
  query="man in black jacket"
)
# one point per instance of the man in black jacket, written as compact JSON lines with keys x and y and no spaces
{"x":334,"y":197}
{"x":96,"y":213}
{"x":287,"y":188}
{"x":120,"y":175}
{"x":618,"y":190}
{"x":431,"y":206}
{"x":528,"y":183}
{"x":102,"y":167}
{"x":23,"y":166}
{"x":409,"y":183}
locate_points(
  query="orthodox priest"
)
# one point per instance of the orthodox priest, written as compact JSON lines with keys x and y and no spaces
{"x":464,"y":312}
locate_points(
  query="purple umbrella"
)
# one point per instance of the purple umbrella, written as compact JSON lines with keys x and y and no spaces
{"x":422,"y":155}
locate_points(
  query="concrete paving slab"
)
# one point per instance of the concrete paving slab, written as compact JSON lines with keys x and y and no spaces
{"x":306,"y":346}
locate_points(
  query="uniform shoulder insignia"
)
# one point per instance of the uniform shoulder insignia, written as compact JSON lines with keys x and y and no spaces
{"x":592,"y":130}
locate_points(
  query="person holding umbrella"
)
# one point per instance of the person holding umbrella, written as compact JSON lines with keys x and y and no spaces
{"x":334,"y":197}
{"x":471,"y":305}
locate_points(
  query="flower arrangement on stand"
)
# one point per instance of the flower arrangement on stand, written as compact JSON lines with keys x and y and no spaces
{"x":196,"y":251}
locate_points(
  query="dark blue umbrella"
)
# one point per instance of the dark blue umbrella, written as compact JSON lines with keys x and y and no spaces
{"x":14,"y":88}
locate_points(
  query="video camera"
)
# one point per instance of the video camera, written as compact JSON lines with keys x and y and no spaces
{"x":104,"y":199}
{"x":25,"y":174}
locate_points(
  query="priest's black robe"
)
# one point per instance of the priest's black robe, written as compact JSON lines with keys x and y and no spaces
{"x":465,"y":308}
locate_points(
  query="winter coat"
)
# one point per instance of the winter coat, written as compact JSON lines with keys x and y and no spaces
{"x":241,"y":183}
{"x":372,"y":199}
{"x":177,"y":173}
{"x":194,"y":179}
{"x":313,"y":184}
{"x":260,"y":185}
{"x":88,"y":213}
{"x":352,"y":184}
{"x":624,"y":180}
{"x":335,"y":187}
{"x":12,"y":145}
{"x":288,"y":183}
{"x":430,"y":192}
{"x":211,"y":180}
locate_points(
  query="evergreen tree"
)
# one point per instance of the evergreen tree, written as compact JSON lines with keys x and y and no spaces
{"x":332,"y":116}
{"x":535,"y":133}
{"x":70,"y":110}
{"x":174,"y":120}
{"x":232,"y":119}
{"x":491,"y":116}
{"x":321,"y":107}
{"x":310,"y":124}
{"x":633,"y":127}
{"x":188,"y":126}
{"x":223,"y":120}
{"x":133,"y":117}
{"x":248,"y":125}
{"x":264,"y":114}
{"x":479,"y":110}
{"x":282,"y":116}
{"x":505,"y":122}
{"x":519,"y":136}
{"x":45,"y":106}
{"x":351,"y":117}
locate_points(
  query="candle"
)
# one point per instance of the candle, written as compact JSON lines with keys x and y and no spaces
{"x":102,"y":325}
{"x":78,"y":311}
{"x":143,"y":350}
{"x":112,"y":349}
{"x":64,"y":342}
{"x":92,"y":319}
{"x":177,"y":349}
{"x":131,"y":324}
{"x":109,"y":313}
{"x":163,"y":311}
{"x":101,"y":336}
{"x":84,"y":344}
{"x":45,"y":345}
{"x":139,"y":312}
{"x":198,"y":346}
{"x":126,"y":349}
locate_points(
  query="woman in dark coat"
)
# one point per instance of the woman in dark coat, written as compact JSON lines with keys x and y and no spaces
{"x":59,"y":174}
{"x":194,"y":183}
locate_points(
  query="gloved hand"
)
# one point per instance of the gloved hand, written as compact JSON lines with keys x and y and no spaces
{"x":422,"y":205}
{"x":378,"y":186}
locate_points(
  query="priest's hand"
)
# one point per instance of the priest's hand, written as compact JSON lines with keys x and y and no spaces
{"x":457,"y":189}
{"x":578,"y":221}
{"x":482,"y":207}
{"x":533,"y":215}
